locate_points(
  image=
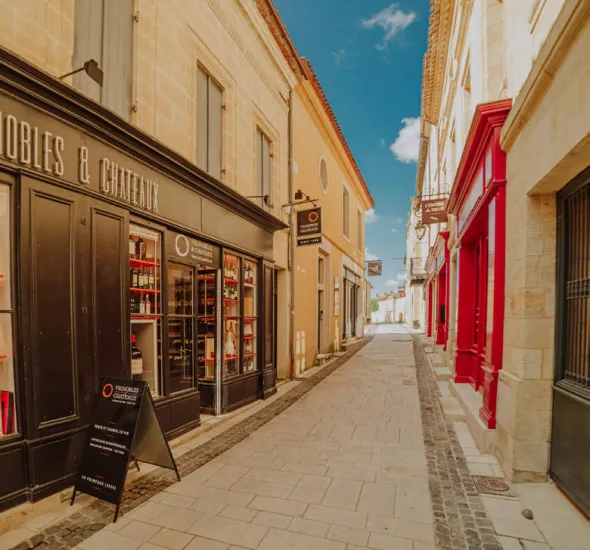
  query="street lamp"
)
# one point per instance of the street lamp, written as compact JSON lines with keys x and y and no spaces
{"x":92,"y":69}
{"x":420,"y":230}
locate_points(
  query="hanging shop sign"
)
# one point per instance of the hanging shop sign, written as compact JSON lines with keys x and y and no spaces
{"x":185,"y":249}
{"x":309,"y":240}
{"x":309,"y":222}
{"x":124,"y":427}
{"x":433,"y":211}
{"x":375,"y":268}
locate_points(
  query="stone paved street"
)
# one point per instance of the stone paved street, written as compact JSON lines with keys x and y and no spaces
{"x":343,"y":468}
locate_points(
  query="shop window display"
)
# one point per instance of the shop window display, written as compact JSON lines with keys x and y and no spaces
{"x":145,"y":306}
{"x":250,"y":315}
{"x":181,"y":327}
{"x":8,"y":420}
{"x":231,"y":313}
{"x":206,"y":322}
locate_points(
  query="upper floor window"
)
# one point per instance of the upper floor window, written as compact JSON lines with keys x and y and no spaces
{"x":324,"y":175}
{"x":359,"y":222}
{"x":345,"y":212}
{"x":263,"y":168}
{"x":209,"y":121}
{"x":103,"y":31}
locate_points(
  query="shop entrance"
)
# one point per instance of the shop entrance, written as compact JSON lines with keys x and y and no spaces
{"x":570,"y":443}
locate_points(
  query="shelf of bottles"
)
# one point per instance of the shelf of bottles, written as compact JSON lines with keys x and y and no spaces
{"x":206,"y":322}
{"x":181,"y":327}
{"x":8,"y":420}
{"x":231,"y":314}
{"x":250,"y":315}
{"x":145,"y":306}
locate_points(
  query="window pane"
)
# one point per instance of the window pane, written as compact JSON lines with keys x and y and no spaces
{"x":231,"y":311}
{"x":180,"y":327}
{"x":145,"y":306}
{"x":8,"y":420}
{"x":215,"y":105}
{"x":207,"y":323}
{"x":250,"y":314}
{"x":259,"y":185}
{"x":180,"y":342}
{"x":202,"y":116}
{"x":345,"y":212}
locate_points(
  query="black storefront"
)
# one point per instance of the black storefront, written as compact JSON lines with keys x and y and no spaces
{"x":118,"y":258}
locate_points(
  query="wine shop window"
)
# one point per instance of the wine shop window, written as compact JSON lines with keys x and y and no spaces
{"x":181,"y":327}
{"x":9,"y":424}
{"x":146,"y":306}
{"x":231,"y":314}
{"x":250,"y":316}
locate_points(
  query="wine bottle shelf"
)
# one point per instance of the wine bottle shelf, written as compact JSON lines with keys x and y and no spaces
{"x":3,"y":356}
{"x":133,"y":261}
{"x":230,"y":357}
{"x":249,"y":355}
{"x":230,"y":300}
{"x":249,"y":285}
{"x":249,"y":337}
{"x":232,"y":281}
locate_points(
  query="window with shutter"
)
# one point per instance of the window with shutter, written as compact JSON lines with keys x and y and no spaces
{"x":345,"y":212}
{"x":209,"y":124}
{"x":103,"y":31}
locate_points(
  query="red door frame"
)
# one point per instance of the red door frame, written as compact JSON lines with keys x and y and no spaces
{"x":478,"y":200}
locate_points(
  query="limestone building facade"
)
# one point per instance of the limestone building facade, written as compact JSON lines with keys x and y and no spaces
{"x":505,"y":139}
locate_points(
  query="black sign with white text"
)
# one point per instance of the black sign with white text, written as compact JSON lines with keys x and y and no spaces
{"x":124,"y":427}
{"x":310,"y":240}
{"x":309,"y":222}
{"x":188,"y":250}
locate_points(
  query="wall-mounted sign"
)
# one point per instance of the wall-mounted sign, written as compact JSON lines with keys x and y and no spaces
{"x":375,"y":268}
{"x":433,"y":211}
{"x":309,"y":222}
{"x":309,"y":240}
{"x":124,"y":427}
{"x":192,"y":251}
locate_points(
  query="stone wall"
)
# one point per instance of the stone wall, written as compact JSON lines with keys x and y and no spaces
{"x":552,"y":146}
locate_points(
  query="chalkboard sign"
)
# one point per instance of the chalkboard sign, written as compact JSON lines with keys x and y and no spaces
{"x":124,"y":427}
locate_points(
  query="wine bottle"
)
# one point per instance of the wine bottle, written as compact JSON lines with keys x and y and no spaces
{"x":136,"y":358}
{"x":141,"y":306}
{"x":148,"y":305}
{"x":135,"y":278}
{"x":140,"y":249}
{"x":131,"y":247}
{"x":133,"y":303}
{"x":152,"y":280}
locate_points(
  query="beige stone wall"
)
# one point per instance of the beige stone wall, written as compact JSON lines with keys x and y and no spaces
{"x":41,"y":31}
{"x":314,"y":139}
{"x":549,"y":151}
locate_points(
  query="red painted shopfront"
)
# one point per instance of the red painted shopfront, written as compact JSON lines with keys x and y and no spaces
{"x":437,"y":268}
{"x":478,"y":201}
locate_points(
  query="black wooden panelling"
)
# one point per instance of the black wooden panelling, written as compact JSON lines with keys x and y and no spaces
{"x":12,"y":470}
{"x":108,"y":232}
{"x":53,"y":220}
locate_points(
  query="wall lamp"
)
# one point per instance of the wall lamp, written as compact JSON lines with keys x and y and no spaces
{"x":92,"y":69}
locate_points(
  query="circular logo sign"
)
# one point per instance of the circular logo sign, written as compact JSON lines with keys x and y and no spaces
{"x":107,"y":390}
{"x":182,"y":245}
{"x":313,"y":217}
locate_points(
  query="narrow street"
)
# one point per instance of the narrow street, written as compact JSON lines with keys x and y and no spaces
{"x":344,"y":467}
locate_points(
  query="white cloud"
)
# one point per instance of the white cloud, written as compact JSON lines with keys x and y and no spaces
{"x":339,"y":57}
{"x":399,"y":280}
{"x":382,"y":142}
{"x":406,"y":146}
{"x":371,"y":216}
{"x":369,"y":256}
{"x":391,"y":20}
{"x":399,"y":220}
{"x":394,"y":230}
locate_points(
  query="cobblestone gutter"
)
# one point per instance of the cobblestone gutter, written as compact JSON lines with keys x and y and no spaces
{"x":73,"y":530}
{"x":460,"y":518}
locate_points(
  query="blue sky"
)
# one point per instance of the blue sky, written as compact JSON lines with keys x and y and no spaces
{"x":368,"y":57}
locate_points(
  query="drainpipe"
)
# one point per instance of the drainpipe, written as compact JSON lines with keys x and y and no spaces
{"x":291,"y":238}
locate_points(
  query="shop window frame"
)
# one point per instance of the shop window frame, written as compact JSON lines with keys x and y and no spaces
{"x":8,"y":180}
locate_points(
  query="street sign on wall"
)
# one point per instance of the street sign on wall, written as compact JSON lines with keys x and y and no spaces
{"x":374,"y":268}
{"x":433,"y":211}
